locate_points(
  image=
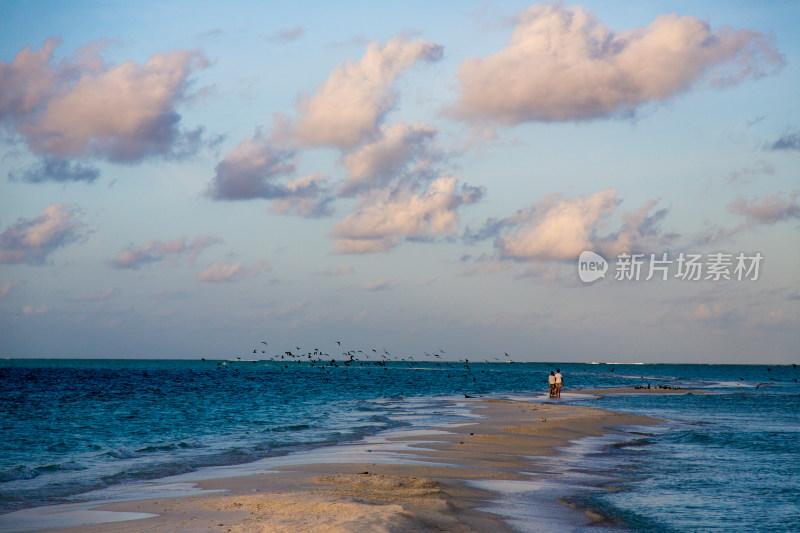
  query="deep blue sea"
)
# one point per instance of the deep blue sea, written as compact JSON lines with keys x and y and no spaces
{"x":724,"y":461}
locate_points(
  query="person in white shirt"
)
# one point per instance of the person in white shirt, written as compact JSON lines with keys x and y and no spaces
{"x":552,"y":380}
{"x":559,"y":382}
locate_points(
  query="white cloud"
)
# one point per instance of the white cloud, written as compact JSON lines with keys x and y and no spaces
{"x":639,"y":232}
{"x":305,"y":197}
{"x":349,"y":106}
{"x":249,"y":170}
{"x":390,"y":156}
{"x":559,"y":229}
{"x":384,"y":216}
{"x":83,"y":108}
{"x":254,"y":169}
{"x":563,"y":64}
{"x":28,"y":81}
{"x":31,"y":241}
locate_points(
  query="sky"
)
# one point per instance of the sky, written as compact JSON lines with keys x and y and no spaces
{"x":189,"y":179}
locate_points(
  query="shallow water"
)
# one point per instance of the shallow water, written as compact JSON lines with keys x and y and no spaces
{"x":724,"y":460}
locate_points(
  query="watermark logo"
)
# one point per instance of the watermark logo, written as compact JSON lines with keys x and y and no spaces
{"x":591,"y":266}
{"x":717,"y":266}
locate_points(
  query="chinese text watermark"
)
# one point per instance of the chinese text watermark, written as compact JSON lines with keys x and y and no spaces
{"x":717,"y":266}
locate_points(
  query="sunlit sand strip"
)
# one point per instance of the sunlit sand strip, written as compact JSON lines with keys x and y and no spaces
{"x":437,"y":481}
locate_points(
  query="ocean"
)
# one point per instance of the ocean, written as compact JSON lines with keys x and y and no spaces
{"x":71,"y":429}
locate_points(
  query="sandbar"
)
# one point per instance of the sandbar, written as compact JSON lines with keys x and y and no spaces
{"x":436,"y":487}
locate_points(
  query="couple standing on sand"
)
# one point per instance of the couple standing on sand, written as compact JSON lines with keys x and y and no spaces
{"x":556,"y":381}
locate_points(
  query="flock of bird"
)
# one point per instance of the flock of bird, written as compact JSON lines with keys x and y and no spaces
{"x":354,"y":357}
{"x":372,"y":357}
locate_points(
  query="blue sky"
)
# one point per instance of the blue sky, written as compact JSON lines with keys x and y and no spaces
{"x":188,"y":179}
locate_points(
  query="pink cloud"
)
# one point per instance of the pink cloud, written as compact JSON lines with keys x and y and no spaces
{"x":558,"y":229}
{"x":770,"y":210}
{"x":249,"y":170}
{"x":349,"y":106}
{"x":306,"y":196}
{"x":83,"y":108}
{"x":563,"y":64}
{"x":225,"y":271}
{"x":400,"y":150}
{"x":31,"y":241}
{"x":257,"y":170}
{"x":154,"y":251}
{"x":385,"y":216}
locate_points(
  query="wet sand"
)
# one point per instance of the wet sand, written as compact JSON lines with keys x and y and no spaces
{"x":429,"y":490}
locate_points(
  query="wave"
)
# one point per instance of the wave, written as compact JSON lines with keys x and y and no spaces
{"x":18,"y":472}
{"x":629,"y":443}
{"x":295,"y":427}
{"x":68,"y":465}
{"x":22,"y":472}
{"x":690,"y":437}
{"x":122,"y":452}
{"x":59,"y":447}
{"x":147,"y":471}
{"x":170,"y":447}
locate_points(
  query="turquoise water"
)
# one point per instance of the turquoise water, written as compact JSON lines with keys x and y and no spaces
{"x":724,"y":461}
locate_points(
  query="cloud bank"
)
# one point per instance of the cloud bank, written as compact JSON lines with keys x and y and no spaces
{"x":563,"y":64}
